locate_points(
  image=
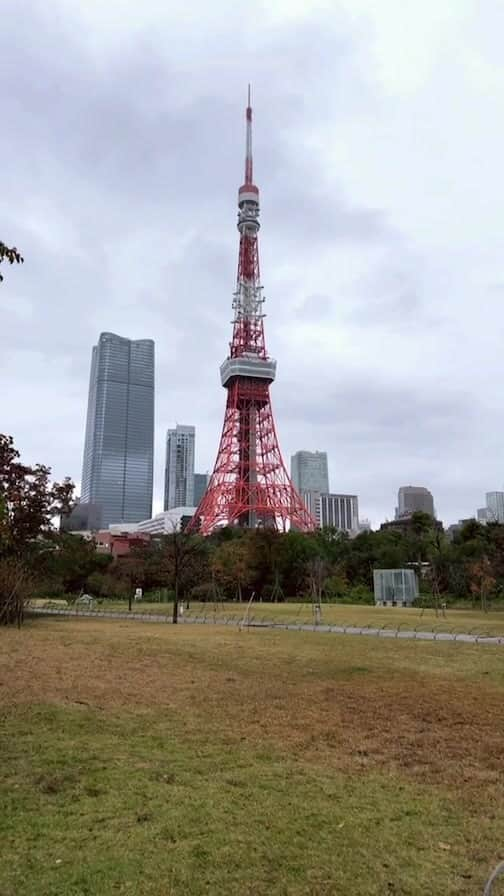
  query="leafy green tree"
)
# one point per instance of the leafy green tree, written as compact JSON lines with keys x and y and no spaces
{"x":264,"y":555}
{"x":108,"y":584}
{"x":231,"y":565}
{"x":28,"y":500}
{"x":28,"y":504}
{"x":295,"y":552}
{"x":66,"y":562}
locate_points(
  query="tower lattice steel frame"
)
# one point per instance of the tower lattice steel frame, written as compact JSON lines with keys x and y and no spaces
{"x":249,"y":485}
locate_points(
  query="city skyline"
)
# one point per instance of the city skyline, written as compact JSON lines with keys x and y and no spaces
{"x":373,"y":310}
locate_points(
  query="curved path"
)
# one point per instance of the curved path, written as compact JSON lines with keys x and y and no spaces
{"x":405,"y":634}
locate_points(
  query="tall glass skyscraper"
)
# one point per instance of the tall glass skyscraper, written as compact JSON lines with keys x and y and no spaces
{"x":309,"y":471}
{"x":179,"y":467}
{"x":119,"y":446}
{"x":200,"y":486}
{"x":494,"y":507}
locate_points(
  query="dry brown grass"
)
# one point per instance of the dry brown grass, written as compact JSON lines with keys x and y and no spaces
{"x":198,"y":761}
{"x":433,"y":712}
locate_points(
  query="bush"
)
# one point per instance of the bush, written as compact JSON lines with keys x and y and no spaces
{"x":100,"y":584}
{"x":47,"y":587}
{"x":358,"y":594}
{"x":203,"y":592}
{"x":335,"y":587}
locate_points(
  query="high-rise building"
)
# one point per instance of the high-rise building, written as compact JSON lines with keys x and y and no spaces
{"x":200,"y":486}
{"x":340,"y":511}
{"x":413,"y":498}
{"x":84,"y":517}
{"x":179,"y":467}
{"x":309,"y":471}
{"x":495,"y":507}
{"x":119,"y":445}
{"x":327,"y":509}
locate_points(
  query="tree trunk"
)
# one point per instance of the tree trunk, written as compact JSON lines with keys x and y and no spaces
{"x":175,"y":603}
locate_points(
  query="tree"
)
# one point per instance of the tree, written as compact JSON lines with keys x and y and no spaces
{"x":317,"y":575}
{"x":15,"y":589}
{"x":28,"y":500}
{"x":482,"y":581}
{"x":184,"y":561}
{"x":28,"y":503}
{"x":66,"y":562}
{"x":295,"y":550}
{"x":10,"y":255}
{"x":231,"y":565}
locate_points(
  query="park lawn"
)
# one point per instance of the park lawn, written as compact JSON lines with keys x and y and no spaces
{"x":194,"y":760}
{"x":457,"y":620}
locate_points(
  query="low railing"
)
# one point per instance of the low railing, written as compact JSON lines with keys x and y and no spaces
{"x":252,"y":621}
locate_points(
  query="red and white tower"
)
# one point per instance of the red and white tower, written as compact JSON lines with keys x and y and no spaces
{"x":249,"y":485}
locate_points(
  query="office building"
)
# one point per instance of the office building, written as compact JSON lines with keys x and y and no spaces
{"x":495,"y":507}
{"x":311,"y":500}
{"x":482,"y":515}
{"x":414,"y":498}
{"x":168,"y":521}
{"x":309,"y":471}
{"x":162,"y":523}
{"x":340,"y":511}
{"x":179,"y":467}
{"x":84,"y":517}
{"x":119,"y":444}
{"x":200,"y":486}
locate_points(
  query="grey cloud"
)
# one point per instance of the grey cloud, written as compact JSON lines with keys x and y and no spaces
{"x":316,"y":307}
{"x":120,"y":172}
{"x":383,"y":411}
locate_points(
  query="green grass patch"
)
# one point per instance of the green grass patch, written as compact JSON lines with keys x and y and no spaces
{"x":96,"y":804}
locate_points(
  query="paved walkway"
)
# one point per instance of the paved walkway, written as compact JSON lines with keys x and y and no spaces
{"x":404,"y":634}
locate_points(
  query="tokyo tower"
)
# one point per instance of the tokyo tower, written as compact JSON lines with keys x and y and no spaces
{"x":249,"y":486}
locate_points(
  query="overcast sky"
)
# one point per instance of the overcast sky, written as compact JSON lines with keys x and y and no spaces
{"x":378,"y":148}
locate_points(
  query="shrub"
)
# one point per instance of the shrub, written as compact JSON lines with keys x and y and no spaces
{"x":203,"y":592}
{"x":335,"y":587}
{"x":100,"y":584}
{"x":359,"y":594}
